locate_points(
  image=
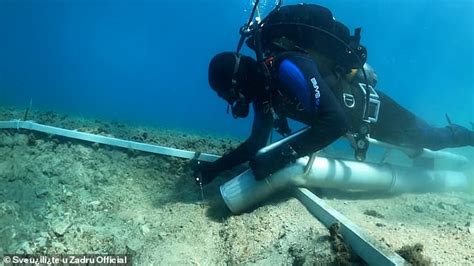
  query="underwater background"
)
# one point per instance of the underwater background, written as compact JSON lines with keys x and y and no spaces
{"x":146,"y":62}
{"x":137,"y":70}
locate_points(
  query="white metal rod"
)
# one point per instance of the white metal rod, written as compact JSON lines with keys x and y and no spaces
{"x":29,"y":125}
{"x":355,"y":237}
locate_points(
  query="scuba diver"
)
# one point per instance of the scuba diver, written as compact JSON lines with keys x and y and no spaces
{"x":309,"y":68}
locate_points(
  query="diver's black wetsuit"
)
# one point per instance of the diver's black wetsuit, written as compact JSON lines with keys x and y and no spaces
{"x":399,"y":126}
{"x":297,"y":92}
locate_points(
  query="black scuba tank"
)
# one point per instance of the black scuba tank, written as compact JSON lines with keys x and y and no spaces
{"x":309,"y":26}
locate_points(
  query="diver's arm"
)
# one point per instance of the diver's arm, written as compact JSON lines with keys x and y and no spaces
{"x":262,"y":125}
{"x":299,"y":78}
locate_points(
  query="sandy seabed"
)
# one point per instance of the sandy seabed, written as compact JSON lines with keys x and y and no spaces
{"x":61,"y":196}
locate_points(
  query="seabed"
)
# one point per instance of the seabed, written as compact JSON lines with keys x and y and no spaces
{"x":65,"y":196}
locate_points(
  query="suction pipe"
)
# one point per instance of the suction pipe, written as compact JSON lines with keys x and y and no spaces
{"x":243,"y":191}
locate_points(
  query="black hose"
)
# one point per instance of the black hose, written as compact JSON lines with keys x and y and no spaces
{"x":243,"y":29}
{"x":253,"y":12}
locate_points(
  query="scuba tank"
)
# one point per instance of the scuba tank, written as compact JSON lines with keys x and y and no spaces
{"x":306,"y":27}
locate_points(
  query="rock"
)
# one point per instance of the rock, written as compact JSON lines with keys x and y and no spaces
{"x":373,"y":213}
{"x":99,"y":177}
{"x":59,"y":247}
{"x":162,"y":235}
{"x":417,"y":208}
{"x":24,"y":248}
{"x":95,"y":205}
{"x":8,"y":142}
{"x":44,"y":234}
{"x":133,"y":245}
{"x":145,"y":230}
{"x":21,"y":139}
{"x":41,"y":242}
{"x":63,"y":180}
{"x":41,"y":192}
{"x":31,"y":139}
{"x":6,"y":209}
{"x":139,"y":220}
{"x":60,"y":227}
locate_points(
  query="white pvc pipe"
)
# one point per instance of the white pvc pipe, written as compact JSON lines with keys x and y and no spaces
{"x":243,"y":191}
{"x":73,"y":134}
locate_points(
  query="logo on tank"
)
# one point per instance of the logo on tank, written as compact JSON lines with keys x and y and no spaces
{"x":317,"y":94}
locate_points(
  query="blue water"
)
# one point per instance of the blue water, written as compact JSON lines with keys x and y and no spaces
{"x":146,"y":61}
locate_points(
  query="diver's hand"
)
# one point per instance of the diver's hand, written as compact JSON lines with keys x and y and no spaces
{"x":203,"y":173}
